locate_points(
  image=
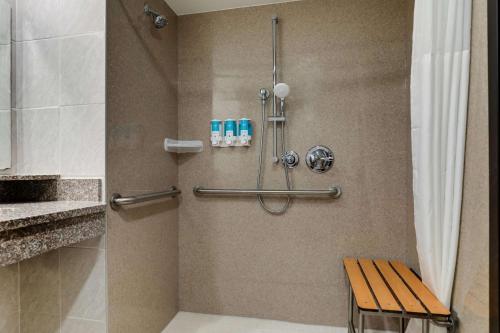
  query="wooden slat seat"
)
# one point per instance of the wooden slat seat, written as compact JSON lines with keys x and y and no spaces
{"x":386,"y":301}
{"x":383,"y":286}
{"x":404,"y":295}
{"x":428,"y":299}
{"x":361,"y":291}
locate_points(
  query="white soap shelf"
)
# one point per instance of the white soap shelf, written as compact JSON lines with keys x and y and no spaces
{"x":183,"y":146}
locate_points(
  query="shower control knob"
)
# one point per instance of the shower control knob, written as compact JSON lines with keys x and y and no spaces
{"x":290,"y":159}
{"x":320,"y":159}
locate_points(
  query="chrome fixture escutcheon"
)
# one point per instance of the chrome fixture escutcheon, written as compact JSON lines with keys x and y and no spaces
{"x":263,"y":94}
{"x":320,"y":159}
{"x":290,"y":159}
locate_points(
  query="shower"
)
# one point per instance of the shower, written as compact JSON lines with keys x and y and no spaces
{"x":319,"y":158}
{"x":289,"y":159}
{"x":159,"y":21}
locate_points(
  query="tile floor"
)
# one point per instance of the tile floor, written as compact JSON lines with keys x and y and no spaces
{"x":188,"y":322}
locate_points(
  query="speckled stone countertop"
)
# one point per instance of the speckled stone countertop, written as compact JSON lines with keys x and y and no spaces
{"x":41,"y":213}
{"x":15,"y":216}
{"x":24,"y":243}
{"x":28,"y":177}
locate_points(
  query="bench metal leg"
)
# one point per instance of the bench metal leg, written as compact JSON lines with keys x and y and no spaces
{"x":350,"y":311}
{"x":401,"y":325}
{"x":425,"y":326}
{"x":361,"y":327}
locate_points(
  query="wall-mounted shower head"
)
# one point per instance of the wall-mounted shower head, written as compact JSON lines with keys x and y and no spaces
{"x":160,"y":21}
{"x":281,"y":90}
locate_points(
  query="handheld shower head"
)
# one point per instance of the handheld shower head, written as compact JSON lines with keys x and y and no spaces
{"x":281,"y":90}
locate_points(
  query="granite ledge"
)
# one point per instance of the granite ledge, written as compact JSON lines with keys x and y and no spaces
{"x":20,"y":244}
{"x":21,"y":215}
{"x":28,"y":177}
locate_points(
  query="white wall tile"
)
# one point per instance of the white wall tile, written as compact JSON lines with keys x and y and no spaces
{"x":5,"y":101}
{"x":82,"y":70}
{"x":5,"y":139}
{"x":9,"y":322}
{"x":5,"y":22}
{"x":9,"y":299}
{"x":82,"y":140}
{"x":74,"y":325}
{"x":36,"y":19}
{"x":38,"y":141}
{"x":90,"y":16}
{"x":39,"y":284}
{"x":9,"y":289}
{"x":44,"y":65}
{"x":13,"y":142}
{"x":83,"y":283}
{"x":34,"y":322}
{"x":5,"y":69}
{"x":37,"y":73}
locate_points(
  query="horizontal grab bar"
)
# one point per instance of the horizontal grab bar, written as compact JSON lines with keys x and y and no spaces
{"x":117,"y":200}
{"x":334,"y":192}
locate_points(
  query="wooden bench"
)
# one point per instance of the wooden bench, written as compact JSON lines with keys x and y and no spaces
{"x":390,"y":288}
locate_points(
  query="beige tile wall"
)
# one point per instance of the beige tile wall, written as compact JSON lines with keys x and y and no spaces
{"x":9,"y":299}
{"x":60,"y":291}
{"x":471,"y":291}
{"x":348,"y":64}
{"x":142,"y":112}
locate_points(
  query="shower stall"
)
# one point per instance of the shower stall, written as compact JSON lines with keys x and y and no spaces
{"x":214,"y":250}
{"x":336,"y":113}
{"x":193,"y":166}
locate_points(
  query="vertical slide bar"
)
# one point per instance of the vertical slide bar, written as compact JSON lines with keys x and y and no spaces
{"x":275,"y":81}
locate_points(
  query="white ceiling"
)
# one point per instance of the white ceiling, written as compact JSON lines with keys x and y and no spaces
{"x":184,"y":7}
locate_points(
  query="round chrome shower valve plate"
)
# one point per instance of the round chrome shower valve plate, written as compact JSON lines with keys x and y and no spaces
{"x":320,"y":159}
{"x":290,"y":159}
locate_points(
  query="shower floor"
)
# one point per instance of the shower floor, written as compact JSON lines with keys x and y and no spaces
{"x":188,"y":322}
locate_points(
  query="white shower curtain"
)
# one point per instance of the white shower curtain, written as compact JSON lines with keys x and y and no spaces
{"x":439,"y":97}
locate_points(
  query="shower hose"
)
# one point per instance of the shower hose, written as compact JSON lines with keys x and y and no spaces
{"x":284,"y":208}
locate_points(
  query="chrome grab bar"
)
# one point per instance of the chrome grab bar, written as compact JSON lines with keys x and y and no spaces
{"x":334,"y":192}
{"x":117,"y":200}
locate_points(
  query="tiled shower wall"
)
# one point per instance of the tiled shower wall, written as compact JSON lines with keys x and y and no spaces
{"x":58,"y":128}
{"x":470,"y":298}
{"x":142,"y":241}
{"x":58,"y":87}
{"x":348,"y":65}
{"x":5,"y":106}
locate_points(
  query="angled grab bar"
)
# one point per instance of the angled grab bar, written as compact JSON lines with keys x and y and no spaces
{"x":334,"y":192}
{"x":117,"y":200}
